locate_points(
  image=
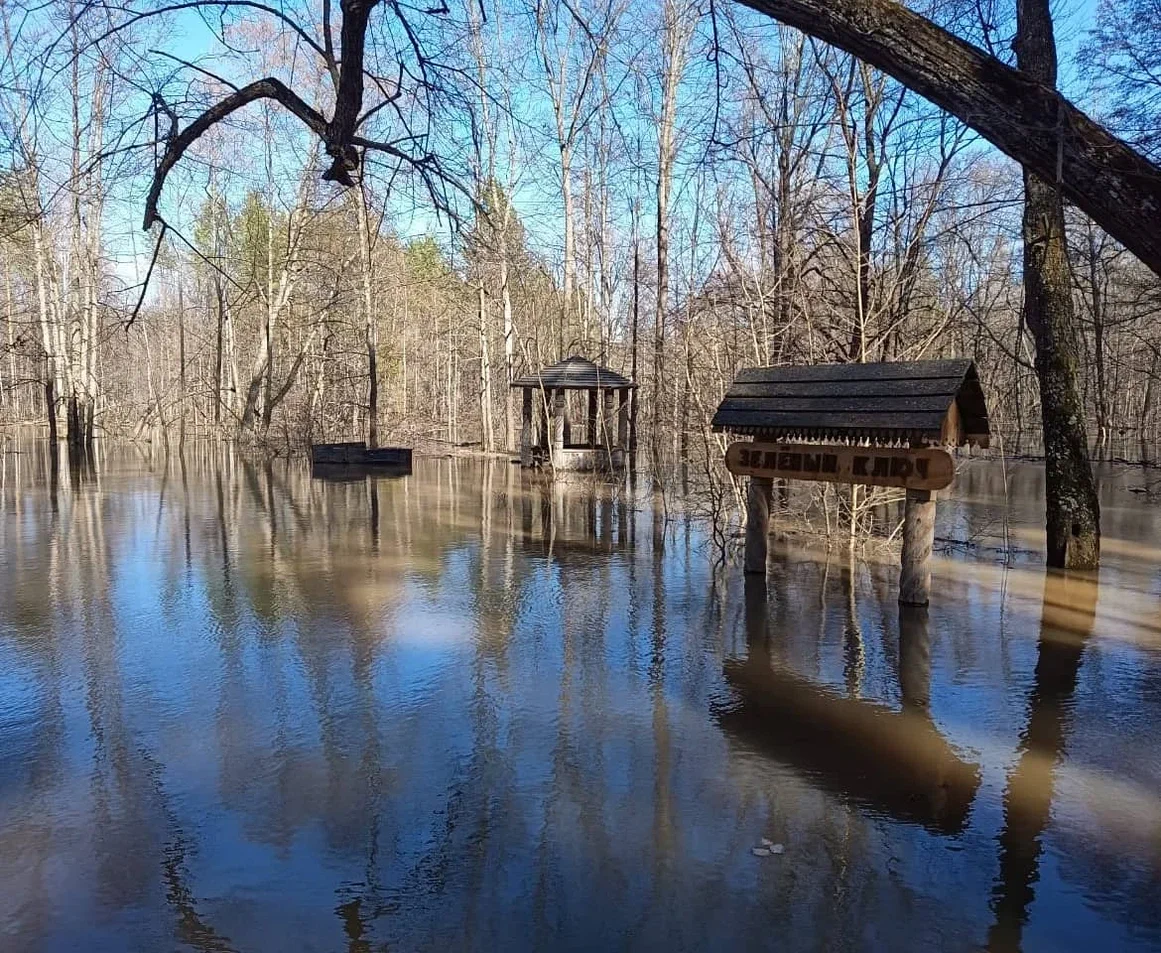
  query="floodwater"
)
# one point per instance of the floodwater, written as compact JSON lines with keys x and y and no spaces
{"x":241,"y":709}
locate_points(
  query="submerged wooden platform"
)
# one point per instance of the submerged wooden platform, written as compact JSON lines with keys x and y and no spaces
{"x":356,"y":472}
{"x":358,"y":453}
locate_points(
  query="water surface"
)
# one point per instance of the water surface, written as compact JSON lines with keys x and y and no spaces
{"x":241,"y":709}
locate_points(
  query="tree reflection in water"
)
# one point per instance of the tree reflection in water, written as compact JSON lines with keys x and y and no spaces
{"x":247,"y":710}
{"x":894,"y":762}
{"x":1066,"y":623}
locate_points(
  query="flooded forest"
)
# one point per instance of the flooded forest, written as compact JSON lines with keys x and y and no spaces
{"x":244,"y":709}
{"x":670,"y":191}
{"x":256,"y":699}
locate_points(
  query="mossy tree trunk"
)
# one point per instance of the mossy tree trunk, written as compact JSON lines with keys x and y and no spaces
{"x":1073,"y":511}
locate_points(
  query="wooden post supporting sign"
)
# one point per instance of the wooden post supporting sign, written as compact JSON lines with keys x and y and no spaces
{"x":758,"y":524}
{"x":921,"y":472}
{"x":863,"y":424}
{"x":918,"y":538}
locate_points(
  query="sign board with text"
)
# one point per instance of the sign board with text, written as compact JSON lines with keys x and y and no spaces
{"x":918,"y":469}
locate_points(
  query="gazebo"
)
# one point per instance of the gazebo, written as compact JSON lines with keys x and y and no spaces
{"x":546,"y":433}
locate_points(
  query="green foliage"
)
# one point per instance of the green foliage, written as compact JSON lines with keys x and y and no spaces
{"x":210,"y":226}
{"x":425,"y":261}
{"x":257,"y":238}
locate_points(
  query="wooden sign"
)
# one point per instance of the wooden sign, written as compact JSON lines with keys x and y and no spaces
{"x":924,"y":469}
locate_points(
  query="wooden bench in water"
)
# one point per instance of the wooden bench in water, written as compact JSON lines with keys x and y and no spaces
{"x":358,"y":453}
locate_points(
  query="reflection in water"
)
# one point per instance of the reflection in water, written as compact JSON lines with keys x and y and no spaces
{"x":896,"y":762}
{"x":1069,"y":609}
{"x":244,"y":709}
{"x":915,"y":659}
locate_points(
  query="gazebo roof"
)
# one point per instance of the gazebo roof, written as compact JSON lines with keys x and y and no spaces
{"x":574,"y":373}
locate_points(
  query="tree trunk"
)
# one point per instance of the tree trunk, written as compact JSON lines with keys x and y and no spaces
{"x":569,"y":243}
{"x":370,"y":327}
{"x":1102,"y":449}
{"x":1145,"y":419}
{"x":251,"y":410}
{"x":268,"y":330}
{"x":672,"y":61}
{"x":631,"y":446}
{"x":509,"y":338}
{"x":50,"y":409}
{"x":864,"y":202}
{"x":487,"y":433}
{"x":47,"y":331}
{"x":8,"y":324}
{"x":220,"y":303}
{"x":231,"y":361}
{"x":218,"y":349}
{"x":1073,"y":512}
{"x":661,"y":304}
{"x":1018,"y":113}
{"x":181,"y":393}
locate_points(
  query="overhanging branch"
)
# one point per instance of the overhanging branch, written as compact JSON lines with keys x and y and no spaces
{"x":1032,"y":123}
{"x":179,"y":142}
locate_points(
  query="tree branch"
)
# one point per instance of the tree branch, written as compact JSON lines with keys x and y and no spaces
{"x":329,"y":44}
{"x":179,"y":142}
{"x":349,"y":96}
{"x":1030,"y":122}
{"x":148,"y":274}
{"x":198,"y":4}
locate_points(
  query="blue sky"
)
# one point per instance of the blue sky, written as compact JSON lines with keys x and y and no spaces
{"x":537,"y":197}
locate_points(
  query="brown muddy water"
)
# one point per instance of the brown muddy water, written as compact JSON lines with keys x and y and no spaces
{"x":241,"y":709}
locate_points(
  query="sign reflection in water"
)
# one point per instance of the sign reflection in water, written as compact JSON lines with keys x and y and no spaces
{"x":245,"y":710}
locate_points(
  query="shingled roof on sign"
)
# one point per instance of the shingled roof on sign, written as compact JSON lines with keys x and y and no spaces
{"x":932,"y":402}
{"x":574,"y":373}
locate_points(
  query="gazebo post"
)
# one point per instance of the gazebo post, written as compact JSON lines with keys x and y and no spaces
{"x":758,"y":524}
{"x":559,"y":425}
{"x":526,"y":427}
{"x":593,"y":418}
{"x":543,"y":440}
{"x":623,"y":420}
{"x":605,"y":435}
{"x":631,"y":399}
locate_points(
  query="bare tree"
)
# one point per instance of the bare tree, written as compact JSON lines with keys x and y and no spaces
{"x":678,"y":22}
{"x":370,"y":323}
{"x":417,"y":77}
{"x":1122,"y":57}
{"x":572,"y":50}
